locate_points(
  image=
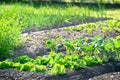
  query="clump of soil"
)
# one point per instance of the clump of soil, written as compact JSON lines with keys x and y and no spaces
{"x":108,"y":76}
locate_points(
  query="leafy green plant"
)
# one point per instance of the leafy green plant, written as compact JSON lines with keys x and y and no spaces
{"x":22,"y":59}
{"x":9,"y":39}
{"x":52,"y":44}
{"x":38,"y":68}
{"x":58,"y":69}
{"x":94,"y":60}
{"x":26,"y":66}
{"x":70,"y":46}
{"x":17,"y":66}
{"x":6,"y":64}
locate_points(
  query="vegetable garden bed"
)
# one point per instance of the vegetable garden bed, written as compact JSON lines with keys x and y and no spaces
{"x":72,"y":72}
{"x":78,"y":52}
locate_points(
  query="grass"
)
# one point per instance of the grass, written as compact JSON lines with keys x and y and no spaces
{"x":45,"y":16}
{"x":25,"y":15}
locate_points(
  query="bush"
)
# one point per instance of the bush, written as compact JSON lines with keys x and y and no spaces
{"x":9,"y":38}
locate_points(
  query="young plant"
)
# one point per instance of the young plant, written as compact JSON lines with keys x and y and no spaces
{"x":23,"y":59}
{"x":38,"y":68}
{"x":70,"y":46}
{"x":52,"y":44}
{"x":58,"y":69}
{"x":26,"y":66}
{"x":6,"y":64}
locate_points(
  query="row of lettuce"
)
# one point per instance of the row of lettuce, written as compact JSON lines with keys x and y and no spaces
{"x":79,"y":54}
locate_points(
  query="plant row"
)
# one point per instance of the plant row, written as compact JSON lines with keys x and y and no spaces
{"x":96,"y":46}
{"x":79,"y":53}
{"x":54,"y":63}
{"x":108,"y":26}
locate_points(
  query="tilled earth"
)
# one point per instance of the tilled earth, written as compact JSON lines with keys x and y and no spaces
{"x":108,"y":76}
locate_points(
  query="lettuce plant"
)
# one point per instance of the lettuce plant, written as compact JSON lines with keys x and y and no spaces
{"x":23,"y":59}
{"x":58,"y":69}
{"x":38,"y":68}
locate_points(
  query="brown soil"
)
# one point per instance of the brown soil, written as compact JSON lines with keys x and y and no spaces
{"x":83,"y":74}
{"x":108,"y":76}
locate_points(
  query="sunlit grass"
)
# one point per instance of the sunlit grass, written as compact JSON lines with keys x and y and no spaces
{"x":113,"y":13}
{"x":25,"y":15}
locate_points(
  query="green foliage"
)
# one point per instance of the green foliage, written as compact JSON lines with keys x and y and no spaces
{"x":86,"y":52}
{"x":38,"y":60}
{"x":58,"y":69}
{"x":94,"y":60}
{"x":105,"y":27}
{"x":9,"y":38}
{"x":22,"y":59}
{"x":46,"y":16}
{"x":70,"y":46}
{"x":6,"y":64}
{"x":53,"y":44}
{"x":26,"y":66}
{"x":38,"y":68}
{"x":17,"y":66}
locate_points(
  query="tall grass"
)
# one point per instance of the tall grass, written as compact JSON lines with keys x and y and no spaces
{"x":27,"y":16}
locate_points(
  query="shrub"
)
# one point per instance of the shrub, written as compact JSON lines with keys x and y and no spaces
{"x":9,"y":38}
